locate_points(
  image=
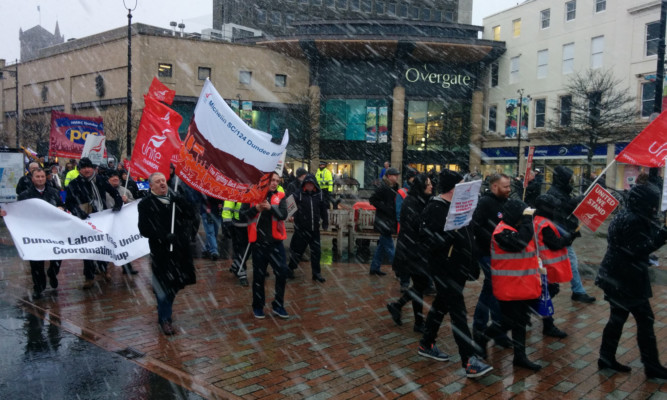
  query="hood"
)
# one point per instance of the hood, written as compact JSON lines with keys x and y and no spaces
{"x":546,"y":205}
{"x":310,"y":178}
{"x":512,"y":211}
{"x":562,"y":176}
{"x":643,"y":200}
{"x":418,"y":186}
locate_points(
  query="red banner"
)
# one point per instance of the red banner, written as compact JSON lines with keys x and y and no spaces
{"x":529,"y":167}
{"x":157,"y":141}
{"x":649,"y":148}
{"x":160,"y":91}
{"x":595,"y":207}
{"x":69,"y":133}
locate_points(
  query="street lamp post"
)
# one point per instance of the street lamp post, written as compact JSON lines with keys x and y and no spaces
{"x":518,"y":133}
{"x":129,"y":77}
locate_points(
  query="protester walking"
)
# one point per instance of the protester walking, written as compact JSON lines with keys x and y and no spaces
{"x":237,"y":228}
{"x":383,"y":199}
{"x":126,"y":195}
{"x":266,"y":232}
{"x":171,"y":256}
{"x":311,"y":209}
{"x":624,"y":276}
{"x":450,"y":263}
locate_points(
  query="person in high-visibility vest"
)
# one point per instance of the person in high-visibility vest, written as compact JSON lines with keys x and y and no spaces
{"x":238,"y":230}
{"x":71,"y":175}
{"x":515,"y":277}
{"x":325,"y":180}
{"x":266,"y":232}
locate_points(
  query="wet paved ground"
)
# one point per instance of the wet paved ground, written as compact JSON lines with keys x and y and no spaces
{"x":339,"y":343}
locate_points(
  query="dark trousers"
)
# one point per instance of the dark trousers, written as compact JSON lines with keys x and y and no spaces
{"x":264,"y":254}
{"x":449,"y":299}
{"x":165,"y":300}
{"x":415,"y":294}
{"x":303,"y":238}
{"x":611,"y":335}
{"x":487,"y":303}
{"x":89,"y":267}
{"x":515,"y":317}
{"x":239,"y":245}
{"x":38,"y":275}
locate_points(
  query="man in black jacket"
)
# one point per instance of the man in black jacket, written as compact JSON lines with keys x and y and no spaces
{"x":451,"y":263}
{"x":487,"y":215}
{"x":25,"y":181}
{"x":40,"y":190}
{"x":311,"y":208}
{"x":383,"y":199}
{"x":561,"y":188}
{"x":86,"y":195}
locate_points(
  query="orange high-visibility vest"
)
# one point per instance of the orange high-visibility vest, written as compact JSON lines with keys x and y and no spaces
{"x":514,"y":275}
{"x":277,"y":226}
{"x":556,"y":262}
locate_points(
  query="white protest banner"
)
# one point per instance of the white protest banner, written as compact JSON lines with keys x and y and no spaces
{"x":95,"y":149}
{"x":291,"y":206}
{"x":464,"y":202}
{"x":43,"y":232}
{"x":11,"y":170}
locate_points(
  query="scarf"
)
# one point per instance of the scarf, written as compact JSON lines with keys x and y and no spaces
{"x":163,"y":199}
{"x":97,"y":199}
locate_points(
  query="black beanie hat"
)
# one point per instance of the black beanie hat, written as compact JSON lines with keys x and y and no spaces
{"x":301,"y":172}
{"x":512,"y":211}
{"x":85,"y":163}
{"x":447,"y":180}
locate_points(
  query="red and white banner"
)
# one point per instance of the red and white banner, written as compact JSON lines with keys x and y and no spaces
{"x":69,"y":133}
{"x":595,"y":208}
{"x":223,"y":157}
{"x":649,"y":148}
{"x":95,"y":149}
{"x":529,"y":167}
{"x":157,"y":141}
{"x":160,"y":91}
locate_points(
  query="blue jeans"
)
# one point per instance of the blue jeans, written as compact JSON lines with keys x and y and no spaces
{"x":211,"y":229}
{"x":577,"y":286}
{"x":385,"y":245}
{"x":165,"y":301}
{"x":487,"y":302}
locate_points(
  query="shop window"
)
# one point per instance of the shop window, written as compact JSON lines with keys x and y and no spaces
{"x":203,"y":73}
{"x":281,"y":80}
{"x":496,"y":32}
{"x":164,"y":70}
{"x":354,"y":5}
{"x":366,"y":6}
{"x":652,"y":38}
{"x":545,"y":18}
{"x":276,"y":18}
{"x":568,"y":58}
{"x":245,"y":77}
{"x":570,"y":10}
{"x":391,"y":9}
{"x":514,"y":69}
{"x":494,"y":74}
{"x":493,"y":115}
{"x":597,"y":52}
{"x":648,"y":98}
{"x":516,"y":28}
{"x":437,"y":15}
{"x":353,"y":119}
{"x":379,"y":7}
{"x":540,"y":113}
{"x":566,"y":110}
{"x":542,"y":63}
{"x":600,"y":5}
{"x":436,"y":125}
{"x":414,"y":12}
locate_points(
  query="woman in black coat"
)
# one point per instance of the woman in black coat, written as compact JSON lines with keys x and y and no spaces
{"x":408,"y":259}
{"x":172,"y":267}
{"x":624,"y":277}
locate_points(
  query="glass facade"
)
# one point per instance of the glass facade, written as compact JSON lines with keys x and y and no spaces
{"x":436,"y":125}
{"x":352,"y":119}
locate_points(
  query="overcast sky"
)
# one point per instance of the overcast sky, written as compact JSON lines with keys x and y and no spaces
{"x":79,"y":18}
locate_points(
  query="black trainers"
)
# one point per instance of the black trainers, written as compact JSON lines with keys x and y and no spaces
{"x":613,"y":364}
{"x":583,"y":297}
{"x":395,"y":312}
{"x":243,"y":282}
{"x":554,"y":332}
{"x":432,"y":352}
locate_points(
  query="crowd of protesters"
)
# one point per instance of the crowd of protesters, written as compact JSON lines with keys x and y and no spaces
{"x":516,"y":236}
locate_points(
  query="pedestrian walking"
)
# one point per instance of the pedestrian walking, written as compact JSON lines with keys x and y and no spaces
{"x":484,"y":221}
{"x":86,"y":194}
{"x":383,"y":199}
{"x":450,"y":263}
{"x":561,"y":188}
{"x":237,"y":228}
{"x":516,"y":279}
{"x":311,"y":209}
{"x":211,"y":218}
{"x":171,"y":255}
{"x":409,"y":260}
{"x":624,"y":276}
{"x":266,"y":232}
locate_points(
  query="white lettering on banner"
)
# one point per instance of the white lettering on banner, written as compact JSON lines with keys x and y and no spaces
{"x":659,"y":150}
{"x":43,"y":232}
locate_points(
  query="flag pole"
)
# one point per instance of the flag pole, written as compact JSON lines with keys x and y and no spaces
{"x":128,"y":177}
{"x":599,"y":176}
{"x":173,"y":213}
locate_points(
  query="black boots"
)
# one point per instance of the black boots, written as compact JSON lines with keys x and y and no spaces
{"x":611,"y":363}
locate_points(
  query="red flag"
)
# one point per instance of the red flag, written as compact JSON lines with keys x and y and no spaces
{"x":160,"y":91}
{"x":157,"y":141}
{"x":649,"y":148}
{"x":224,"y":158}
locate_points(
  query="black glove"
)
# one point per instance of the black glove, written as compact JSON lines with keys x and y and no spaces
{"x":117,"y":208}
{"x":171,"y":238}
{"x":82,"y":214}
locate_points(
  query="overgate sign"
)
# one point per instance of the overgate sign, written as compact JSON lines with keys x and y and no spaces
{"x":596,"y":207}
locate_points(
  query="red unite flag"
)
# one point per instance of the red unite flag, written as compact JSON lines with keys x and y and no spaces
{"x":649,"y":148}
{"x":160,"y":91}
{"x":596,"y":207}
{"x":157,"y":141}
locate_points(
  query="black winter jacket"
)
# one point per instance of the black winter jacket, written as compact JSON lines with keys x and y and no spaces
{"x":408,"y":257}
{"x":487,"y":215}
{"x":311,"y":207}
{"x":50,"y":195}
{"x":383,"y":199}
{"x":80,"y":191}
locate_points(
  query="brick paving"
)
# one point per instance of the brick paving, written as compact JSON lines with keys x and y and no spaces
{"x":339,"y":342}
